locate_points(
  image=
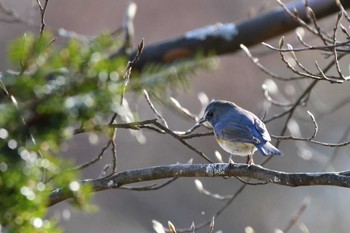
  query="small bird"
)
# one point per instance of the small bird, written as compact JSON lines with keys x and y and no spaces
{"x":237,"y":130}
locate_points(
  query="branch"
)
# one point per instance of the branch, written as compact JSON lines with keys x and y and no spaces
{"x":297,"y":215}
{"x":11,"y":15}
{"x":42,"y":9}
{"x":341,"y":179}
{"x":226,"y":38}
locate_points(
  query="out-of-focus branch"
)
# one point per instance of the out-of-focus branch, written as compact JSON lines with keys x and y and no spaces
{"x":297,"y":215}
{"x":10,"y":15}
{"x":226,"y":38}
{"x":341,"y":179}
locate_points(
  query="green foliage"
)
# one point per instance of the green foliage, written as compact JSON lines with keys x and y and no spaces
{"x":56,"y":89}
{"x":52,"y":91}
{"x":160,"y":79}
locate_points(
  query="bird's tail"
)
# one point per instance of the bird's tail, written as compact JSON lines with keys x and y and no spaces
{"x":268,"y":149}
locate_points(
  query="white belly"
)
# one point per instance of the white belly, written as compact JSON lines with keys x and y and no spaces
{"x":237,"y":148}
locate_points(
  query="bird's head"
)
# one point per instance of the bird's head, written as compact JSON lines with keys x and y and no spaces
{"x":215,"y":110}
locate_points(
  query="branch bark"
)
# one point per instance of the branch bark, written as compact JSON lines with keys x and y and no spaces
{"x":226,"y":38}
{"x":341,"y":179}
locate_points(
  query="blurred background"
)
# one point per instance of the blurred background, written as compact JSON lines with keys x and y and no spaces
{"x":263,"y":207}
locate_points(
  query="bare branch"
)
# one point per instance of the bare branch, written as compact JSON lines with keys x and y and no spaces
{"x":341,"y":179}
{"x":340,"y":47}
{"x":255,"y":61}
{"x":182,"y":109}
{"x":151,"y":105}
{"x":132,"y":125}
{"x":129,"y":67}
{"x":196,"y":135}
{"x":97,"y":158}
{"x":176,"y":136}
{"x":335,"y":53}
{"x":312,"y":17}
{"x":114,"y":151}
{"x":341,"y":7}
{"x":315,"y":124}
{"x":312,"y":141}
{"x":42,"y":9}
{"x":151,"y":187}
{"x":271,"y":100}
{"x":202,"y":190}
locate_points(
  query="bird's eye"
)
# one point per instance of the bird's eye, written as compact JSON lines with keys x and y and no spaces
{"x":210,"y":115}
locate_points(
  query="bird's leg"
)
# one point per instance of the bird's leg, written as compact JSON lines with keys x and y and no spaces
{"x":250,"y":160}
{"x":230,"y":160}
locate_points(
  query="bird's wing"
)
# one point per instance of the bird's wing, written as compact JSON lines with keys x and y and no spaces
{"x":237,"y":132}
{"x":258,"y":127}
{"x":261,"y":128}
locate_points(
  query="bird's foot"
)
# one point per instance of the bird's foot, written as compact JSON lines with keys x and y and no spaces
{"x":230,"y":160}
{"x":250,"y":160}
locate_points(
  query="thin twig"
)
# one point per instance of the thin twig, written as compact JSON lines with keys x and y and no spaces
{"x":250,"y":183}
{"x":345,"y":13}
{"x":202,"y":190}
{"x":136,"y":125}
{"x":297,"y":215}
{"x":174,"y":135}
{"x":151,"y":105}
{"x":298,"y":19}
{"x":128,"y":69}
{"x":219,"y":212}
{"x":126,"y":78}
{"x":312,"y":141}
{"x":114,"y":151}
{"x":271,"y":100}
{"x":311,"y":15}
{"x":97,"y":158}
{"x":196,"y":135}
{"x":256,"y":62}
{"x":182,"y":109}
{"x":315,"y":125}
{"x":42,"y":9}
{"x":298,"y":63}
{"x":307,"y":47}
{"x":335,"y":53}
{"x":151,"y":187}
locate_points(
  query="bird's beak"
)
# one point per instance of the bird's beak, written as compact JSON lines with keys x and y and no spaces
{"x":201,"y":120}
{"x":196,"y":125}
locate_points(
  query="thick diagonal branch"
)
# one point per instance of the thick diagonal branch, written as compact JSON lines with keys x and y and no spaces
{"x":341,"y":179}
{"x":226,"y":38}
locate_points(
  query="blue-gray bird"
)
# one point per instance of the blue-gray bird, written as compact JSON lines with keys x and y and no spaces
{"x":237,"y":130}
